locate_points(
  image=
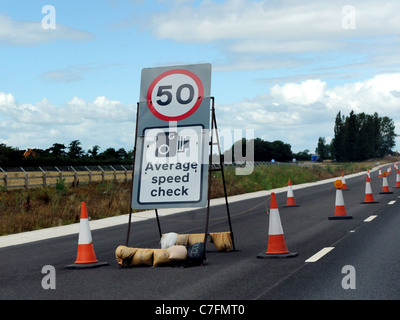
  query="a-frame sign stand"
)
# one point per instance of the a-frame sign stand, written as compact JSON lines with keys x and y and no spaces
{"x":214,"y":131}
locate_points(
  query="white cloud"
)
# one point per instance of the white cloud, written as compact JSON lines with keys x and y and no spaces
{"x":300,"y":113}
{"x":305,"y":93}
{"x":254,"y":34}
{"x":273,"y":21}
{"x":27,"y":33}
{"x":296,"y":113}
{"x":105,"y":122}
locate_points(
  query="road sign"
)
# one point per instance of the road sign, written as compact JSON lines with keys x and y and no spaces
{"x":171,"y":157}
{"x":175,"y":95}
{"x":171,"y":170}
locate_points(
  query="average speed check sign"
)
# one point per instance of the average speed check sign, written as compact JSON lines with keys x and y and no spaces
{"x":171,"y":159}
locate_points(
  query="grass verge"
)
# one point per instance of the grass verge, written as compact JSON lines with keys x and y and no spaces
{"x":37,"y":208}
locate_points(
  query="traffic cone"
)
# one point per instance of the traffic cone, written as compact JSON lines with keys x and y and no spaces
{"x":340,"y":209}
{"x":385,"y":186}
{"x":344,"y":186}
{"x":397,"y":179}
{"x":380,"y":173}
{"x":290,"y":202}
{"x":369,"y":198}
{"x":276,"y":241}
{"x":389,"y":170}
{"x":86,"y":258}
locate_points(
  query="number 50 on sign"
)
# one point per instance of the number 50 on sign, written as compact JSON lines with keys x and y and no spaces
{"x":175,"y":95}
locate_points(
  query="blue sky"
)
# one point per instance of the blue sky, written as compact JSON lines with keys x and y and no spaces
{"x":281,"y":68}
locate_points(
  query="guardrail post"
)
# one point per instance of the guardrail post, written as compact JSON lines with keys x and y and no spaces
{"x":102,"y":174}
{"x":44,"y":177}
{"x":60,"y":173}
{"x":26,"y":178}
{"x":5,"y":178}
{"x":75,"y":175}
{"x":125,"y":173}
{"x":115,"y":173}
{"x":90,"y":174}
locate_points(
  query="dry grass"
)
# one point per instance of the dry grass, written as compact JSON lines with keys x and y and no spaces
{"x":37,"y":208}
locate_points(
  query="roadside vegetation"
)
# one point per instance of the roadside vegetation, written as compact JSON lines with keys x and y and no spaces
{"x":37,"y":208}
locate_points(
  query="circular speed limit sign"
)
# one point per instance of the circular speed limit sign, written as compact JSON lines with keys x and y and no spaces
{"x":175,"y":95}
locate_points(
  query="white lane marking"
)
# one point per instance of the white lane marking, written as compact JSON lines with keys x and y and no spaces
{"x":370,"y":218}
{"x":319,"y":254}
{"x":392,"y":202}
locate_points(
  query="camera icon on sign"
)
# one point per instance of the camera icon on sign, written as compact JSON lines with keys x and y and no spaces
{"x":169,"y":143}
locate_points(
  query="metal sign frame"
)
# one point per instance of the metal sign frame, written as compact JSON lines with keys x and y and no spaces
{"x":210,"y":170}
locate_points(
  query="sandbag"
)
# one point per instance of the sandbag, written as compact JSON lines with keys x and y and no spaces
{"x":177,"y":253}
{"x":168,"y":239}
{"x":195,"y":237}
{"x":124,"y":255}
{"x":195,"y":253}
{"x":160,"y":256}
{"x":222,"y":241}
{"x":182,"y":239}
{"x":143,"y":257}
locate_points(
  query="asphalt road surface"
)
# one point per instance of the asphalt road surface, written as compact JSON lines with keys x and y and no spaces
{"x":363,"y":261}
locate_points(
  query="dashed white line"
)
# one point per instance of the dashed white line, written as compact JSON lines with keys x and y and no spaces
{"x":391,"y":202}
{"x":370,"y":218}
{"x":319,"y":254}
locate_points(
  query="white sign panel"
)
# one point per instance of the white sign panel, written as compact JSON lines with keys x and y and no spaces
{"x":171,"y":168}
{"x":171,"y":156}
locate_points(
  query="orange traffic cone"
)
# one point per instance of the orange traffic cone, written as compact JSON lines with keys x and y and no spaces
{"x":385,"y":186}
{"x":397,"y":179}
{"x":86,"y":258}
{"x":344,"y":186}
{"x":340,"y":209}
{"x":290,"y":202}
{"x":369,"y":198}
{"x":276,"y":241}
{"x":380,"y":173}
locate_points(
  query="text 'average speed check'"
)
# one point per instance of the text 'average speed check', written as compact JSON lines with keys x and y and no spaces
{"x":171,"y":166}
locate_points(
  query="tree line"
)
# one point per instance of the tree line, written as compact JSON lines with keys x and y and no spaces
{"x":358,"y":137}
{"x":73,"y":154}
{"x":61,"y":155}
{"x":266,"y":151}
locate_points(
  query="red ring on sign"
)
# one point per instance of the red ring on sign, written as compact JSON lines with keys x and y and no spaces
{"x":186,"y":114}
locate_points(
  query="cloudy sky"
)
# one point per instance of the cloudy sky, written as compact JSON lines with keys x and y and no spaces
{"x":281,"y":68}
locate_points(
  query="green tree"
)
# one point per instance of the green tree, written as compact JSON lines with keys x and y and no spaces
{"x":264,"y":150}
{"x":351,"y":137}
{"x":57,"y":149}
{"x":9,"y":156}
{"x":94,"y":151}
{"x":337,"y":144}
{"x":75,"y":150}
{"x":388,"y":135}
{"x":322,"y":149}
{"x":358,"y":137}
